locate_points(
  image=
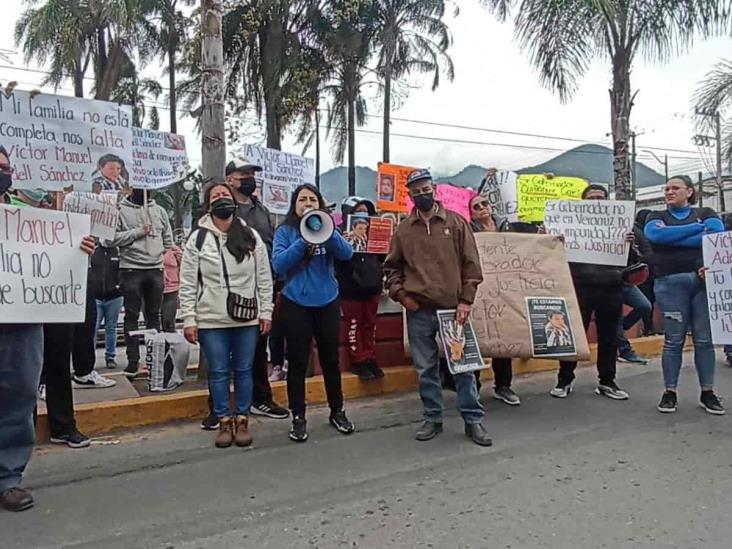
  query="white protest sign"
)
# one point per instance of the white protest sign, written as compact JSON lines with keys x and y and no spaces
{"x":159,"y":159}
{"x":717,"y":250}
{"x":594,"y":230}
{"x":42,"y":267}
{"x":281,"y":173}
{"x":55,"y":142}
{"x":499,"y":188}
{"x":101,"y":208}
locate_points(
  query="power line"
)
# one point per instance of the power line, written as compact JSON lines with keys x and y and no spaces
{"x":48,"y":73}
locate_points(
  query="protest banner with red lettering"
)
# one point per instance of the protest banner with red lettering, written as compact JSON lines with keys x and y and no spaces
{"x":101,"y":208}
{"x":42,"y":267}
{"x":717,"y":249}
{"x":54,"y":142}
{"x":391,"y":187}
{"x":159,"y":159}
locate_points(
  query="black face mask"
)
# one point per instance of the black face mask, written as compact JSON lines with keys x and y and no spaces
{"x":137,"y":197}
{"x":248,"y":186}
{"x":223,"y":208}
{"x":6,"y":181}
{"x":424,"y":202}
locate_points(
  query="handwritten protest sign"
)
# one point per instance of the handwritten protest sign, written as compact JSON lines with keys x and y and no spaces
{"x":159,"y":159}
{"x":499,"y":188}
{"x":42,"y":268}
{"x":515,"y":267}
{"x":370,"y":235}
{"x":453,"y":198}
{"x":391,"y":187}
{"x":458,"y":343}
{"x":281,"y":173}
{"x":594,"y":230}
{"x":55,"y":142}
{"x":717,"y":249}
{"x":101,"y":208}
{"x":534,"y":191}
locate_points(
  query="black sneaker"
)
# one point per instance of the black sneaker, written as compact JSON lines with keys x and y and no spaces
{"x":631,"y":357}
{"x":341,"y":422}
{"x":131,"y":370}
{"x":72,"y":440}
{"x":374,"y":368}
{"x":611,"y":390}
{"x":668,"y":403}
{"x":299,"y":429}
{"x":711,"y":403}
{"x":363,"y":371}
{"x":111,"y":364}
{"x":210,"y":422}
{"x":729,"y":361}
{"x":507,"y":395}
{"x":270,"y":409}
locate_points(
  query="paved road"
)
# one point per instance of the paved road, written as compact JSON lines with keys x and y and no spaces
{"x":585,"y":472}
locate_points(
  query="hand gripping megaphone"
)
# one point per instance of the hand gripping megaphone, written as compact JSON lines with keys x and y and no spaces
{"x":316,"y":227}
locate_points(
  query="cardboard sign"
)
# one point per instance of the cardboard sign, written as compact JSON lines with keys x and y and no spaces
{"x":391,"y":187}
{"x":101,"y":208}
{"x":717,"y":249}
{"x":517,"y":266}
{"x":453,"y":198}
{"x":460,"y":346}
{"x":42,"y":267}
{"x":54,"y":142}
{"x":499,"y":188}
{"x":550,"y":328}
{"x":594,"y":230}
{"x":281,"y":173}
{"x":371,"y":235}
{"x":534,"y":191}
{"x":159,"y":159}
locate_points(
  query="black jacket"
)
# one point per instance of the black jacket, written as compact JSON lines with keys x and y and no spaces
{"x":257,"y":216}
{"x":104,"y":273}
{"x":361,"y":278}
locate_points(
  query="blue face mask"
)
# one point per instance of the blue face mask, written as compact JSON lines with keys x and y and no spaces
{"x":360,"y":214}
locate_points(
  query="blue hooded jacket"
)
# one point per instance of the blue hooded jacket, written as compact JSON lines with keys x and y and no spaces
{"x":309,"y":281}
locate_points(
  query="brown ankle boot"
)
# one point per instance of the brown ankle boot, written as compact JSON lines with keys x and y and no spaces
{"x":242,"y":435}
{"x":226,"y":433}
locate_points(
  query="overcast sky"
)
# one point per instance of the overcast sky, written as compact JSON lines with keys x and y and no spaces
{"x":495,"y":88}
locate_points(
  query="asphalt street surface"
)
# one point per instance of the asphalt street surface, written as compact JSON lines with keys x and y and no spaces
{"x":582,"y":472}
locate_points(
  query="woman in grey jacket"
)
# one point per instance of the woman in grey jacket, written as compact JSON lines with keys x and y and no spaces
{"x":225,"y":260}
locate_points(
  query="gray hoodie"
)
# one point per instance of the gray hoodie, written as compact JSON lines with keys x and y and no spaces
{"x":137,"y":251}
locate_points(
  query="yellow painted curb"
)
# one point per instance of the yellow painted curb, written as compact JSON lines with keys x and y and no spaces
{"x":102,"y":417}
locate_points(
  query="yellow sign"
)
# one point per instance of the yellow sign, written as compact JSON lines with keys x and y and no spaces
{"x":534,"y":191}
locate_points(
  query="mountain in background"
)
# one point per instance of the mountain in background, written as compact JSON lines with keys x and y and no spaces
{"x":591,"y":162}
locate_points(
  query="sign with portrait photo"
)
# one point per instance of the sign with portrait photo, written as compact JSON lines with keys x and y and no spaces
{"x":550,"y":327}
{"x":371,"y":235}
{"x":458,"y":340}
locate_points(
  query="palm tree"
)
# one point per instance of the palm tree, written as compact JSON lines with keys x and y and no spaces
{"x":714,"y":94}
{"x":411,"y":37}
{"x":563,"y":36}
{"x":346,"y":30}
{"x":140,"y":93}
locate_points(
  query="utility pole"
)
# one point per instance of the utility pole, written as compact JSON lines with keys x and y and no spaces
{"x":633,"y":167}
{"x":317,"y":147}
{"x":701,"y":189}
{"x":664,"y":161}
{"x":705,"y":141}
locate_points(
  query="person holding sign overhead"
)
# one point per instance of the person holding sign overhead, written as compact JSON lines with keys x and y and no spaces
{"x":676,"y":237}
{"x":21,"y":361}
{"x":433,"y":263}
{"x":599,"y":290}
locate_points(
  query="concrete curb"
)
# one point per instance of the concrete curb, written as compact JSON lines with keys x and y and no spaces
{"x":103,"y":417}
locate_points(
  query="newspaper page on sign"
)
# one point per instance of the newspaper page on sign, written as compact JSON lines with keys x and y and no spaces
{"x":717,"y":249}
{"x":101,"y":208}
{"x":281,"y":173}
{"x":371,"y":235}
{"x":458,"y":341}
{"x":43,"y":270}
{"x":159,"y":159}
{"x":516,"y":266}
{"x":55,"y":142}
{"x":594,"y":230}
{"x":550,"y":328}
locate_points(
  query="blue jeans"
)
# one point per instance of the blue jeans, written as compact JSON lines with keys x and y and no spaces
{"x":230,"y":351}
{"x":683,"y":301}
{"x":108,"y":311}
{"x":633,"y":298}
{"x":422,"y":328}
{"x":21,"y":360}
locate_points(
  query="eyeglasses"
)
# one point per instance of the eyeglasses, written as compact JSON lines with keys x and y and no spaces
{"x":481,"y":205}
{"x":6,"y":168}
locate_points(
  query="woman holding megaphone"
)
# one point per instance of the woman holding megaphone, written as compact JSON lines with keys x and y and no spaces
{"x":305,"y":249}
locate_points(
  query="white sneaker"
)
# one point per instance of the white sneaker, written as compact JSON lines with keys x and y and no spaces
{"x":561,"y":391}
{"x":93,"y":381}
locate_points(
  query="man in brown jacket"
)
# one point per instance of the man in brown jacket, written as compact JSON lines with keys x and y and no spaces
{"x":433,"y":263}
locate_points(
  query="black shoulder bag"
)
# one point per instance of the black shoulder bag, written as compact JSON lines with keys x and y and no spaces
{"x":240,"y":308}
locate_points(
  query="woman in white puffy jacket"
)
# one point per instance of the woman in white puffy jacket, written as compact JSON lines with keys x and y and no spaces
{"x":226,"y":302}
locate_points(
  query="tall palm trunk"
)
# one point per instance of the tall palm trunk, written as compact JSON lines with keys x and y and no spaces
{"x":173,"y":104}
{"x":78,"y":78}
{"x":272,"y":45}
{"x":351,"y":147}
{"x":212,"y":92}
{"x":387,"y":111}
{"x":621,"y":103}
